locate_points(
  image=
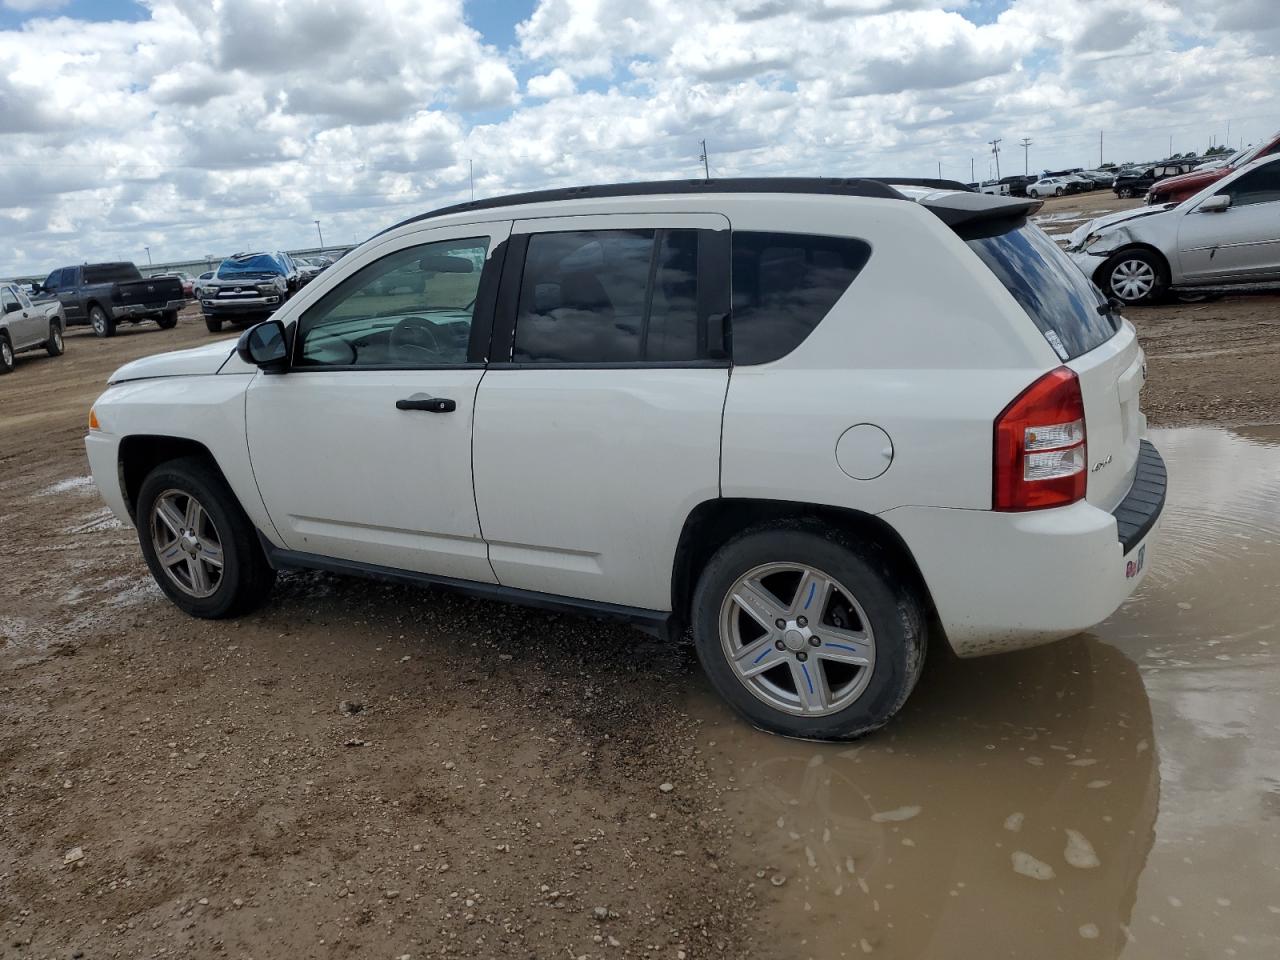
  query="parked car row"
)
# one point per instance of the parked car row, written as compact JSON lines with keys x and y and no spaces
{"x":1226,"y":233}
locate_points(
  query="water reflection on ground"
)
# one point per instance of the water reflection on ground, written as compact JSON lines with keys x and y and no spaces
{"x":1113,"y":795}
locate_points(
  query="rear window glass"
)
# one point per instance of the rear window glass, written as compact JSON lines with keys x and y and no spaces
{"x":110,"y":273}
{"x":1061,"y":301}
{"x":783,"y":285}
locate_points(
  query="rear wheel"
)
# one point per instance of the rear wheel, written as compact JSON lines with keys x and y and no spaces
{"x":200,"y":546}
{"x":1135,"y":276}
{"x":6,"y":354}
{"x":168,"y":320}
{"x":213,"y":325}
{"x":103,"y":325}
{"x":808,"y":634}
{"x":53,"y":346}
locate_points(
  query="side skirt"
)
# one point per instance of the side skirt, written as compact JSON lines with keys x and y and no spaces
{"x":656,"y":622}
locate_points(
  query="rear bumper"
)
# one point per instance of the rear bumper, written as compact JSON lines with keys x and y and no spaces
{"x":1004,"y":581}
{"x":135,"y":311}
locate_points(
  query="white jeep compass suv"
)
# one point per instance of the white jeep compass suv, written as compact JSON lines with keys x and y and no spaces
{"x":823,"y":423}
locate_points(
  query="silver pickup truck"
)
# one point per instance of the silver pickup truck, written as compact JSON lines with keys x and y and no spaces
{"x":27,"y":326}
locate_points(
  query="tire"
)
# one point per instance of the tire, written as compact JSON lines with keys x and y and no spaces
{"x":858,"y":699}
{"x":213,"y":325}
{"x":7,"y":361}
{"x":54,"y":345}
{"x":1134,"y":277}
{"x":1057,"y":192}
{"x":244,"y":579}
{"x":1125,"y":193}
{"x":103,"y":324}
{"x":168,"y":320}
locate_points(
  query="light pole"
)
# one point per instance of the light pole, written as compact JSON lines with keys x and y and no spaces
{"x":148,"y":249}
{"x":319,"y":234}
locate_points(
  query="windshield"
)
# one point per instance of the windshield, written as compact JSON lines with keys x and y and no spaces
{"x":258,"y":263}
{"x":1058,"y":298}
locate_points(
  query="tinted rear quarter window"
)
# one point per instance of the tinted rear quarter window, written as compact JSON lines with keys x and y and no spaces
{"x":783,"y":285}
{"x":1060,"y":300}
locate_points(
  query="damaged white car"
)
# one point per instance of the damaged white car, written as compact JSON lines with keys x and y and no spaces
{"x":1228,"y":233}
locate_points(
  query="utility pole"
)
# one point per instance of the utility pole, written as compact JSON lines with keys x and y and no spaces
{"x":971,"y":169}
{"x":1026,"y":162}
{"x":995,"y":151}
{"x":706,"y":164}
{"x":1170,"y":153}
{"x":1099,"y":148}
{"x":939,"y":169}
{"x":148,"y":249}
{"x":319,"y":234}
{"x":471,"y":174}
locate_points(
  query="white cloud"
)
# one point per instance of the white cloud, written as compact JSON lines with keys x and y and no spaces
{"x":31,"y":6}
{"x":222,"y":125}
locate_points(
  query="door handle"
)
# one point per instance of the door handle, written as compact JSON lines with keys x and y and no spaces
{"x":420,"y":401}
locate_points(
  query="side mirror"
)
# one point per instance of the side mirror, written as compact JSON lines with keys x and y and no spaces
{"x":36,"y":288}
{"x":264,"y":345}
{"x":12,"y":307}
{"x":1218,"y":203}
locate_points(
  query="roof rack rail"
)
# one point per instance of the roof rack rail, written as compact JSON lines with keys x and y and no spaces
{"x":840,"y":186}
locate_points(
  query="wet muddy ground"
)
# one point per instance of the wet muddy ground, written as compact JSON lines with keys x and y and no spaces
{"x":174,"y":787}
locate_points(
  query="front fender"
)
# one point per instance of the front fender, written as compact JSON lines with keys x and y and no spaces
{"x":209,"y":410}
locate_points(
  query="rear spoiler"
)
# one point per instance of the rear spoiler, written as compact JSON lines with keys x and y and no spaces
{"x":967,"y":212}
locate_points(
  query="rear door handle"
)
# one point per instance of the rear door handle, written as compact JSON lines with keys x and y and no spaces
{"x":420,"y":401}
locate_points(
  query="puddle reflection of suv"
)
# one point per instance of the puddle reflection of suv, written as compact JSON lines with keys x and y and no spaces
{"x":727,"y":406}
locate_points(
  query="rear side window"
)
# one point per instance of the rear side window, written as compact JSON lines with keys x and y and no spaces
{"x":783,"y":285}
{"x":609,"y":296}
{"x":1061,"y":301}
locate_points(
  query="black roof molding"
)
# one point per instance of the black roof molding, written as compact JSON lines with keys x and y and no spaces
{"x":961,"y":206}
{"x":846,"y":187}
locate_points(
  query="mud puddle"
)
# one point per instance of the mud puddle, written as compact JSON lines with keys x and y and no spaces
{"x":1114,"y":795}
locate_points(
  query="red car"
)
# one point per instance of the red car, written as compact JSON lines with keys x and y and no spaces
{"x":1177,"y":189}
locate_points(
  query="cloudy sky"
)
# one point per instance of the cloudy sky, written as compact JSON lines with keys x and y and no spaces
{"x":204,"y":126}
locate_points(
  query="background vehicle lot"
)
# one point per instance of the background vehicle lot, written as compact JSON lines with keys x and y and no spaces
{"x":209,"y":760}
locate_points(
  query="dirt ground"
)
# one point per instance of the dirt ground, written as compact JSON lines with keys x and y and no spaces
{"x":362,"y":770}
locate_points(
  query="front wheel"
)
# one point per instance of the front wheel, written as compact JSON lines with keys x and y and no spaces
{"x":103,"y":325}
{"x":1058,"y":192}
{"x":213,"y":325}
{"x":1124,"y":193}
{"x":808,"y":634}
{"x":200,"y":546}
{"x":7,"y":361}
{"x":1134,"y":277}
{"x":168,"y":320}
{"x":54,"y":346}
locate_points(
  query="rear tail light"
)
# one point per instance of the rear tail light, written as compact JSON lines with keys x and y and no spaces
{"x":1040,"y":448}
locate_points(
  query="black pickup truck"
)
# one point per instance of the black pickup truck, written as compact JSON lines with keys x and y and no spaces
{"x":105,"y":294}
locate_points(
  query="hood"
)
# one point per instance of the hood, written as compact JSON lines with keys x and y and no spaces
{"x":180,"y":363}
{"x":1101,"y":224}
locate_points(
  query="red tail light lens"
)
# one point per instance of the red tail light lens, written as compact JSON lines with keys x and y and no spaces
{"x":1040,"y":449}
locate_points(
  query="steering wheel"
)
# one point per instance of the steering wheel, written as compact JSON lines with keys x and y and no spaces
{"x":416,"y":334}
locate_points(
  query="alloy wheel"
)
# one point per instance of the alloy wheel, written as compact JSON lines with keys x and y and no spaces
{"x":1133,"y":279}
{"x":99,"y":322}
{"x":797,"y":639}
{"x":6,"y":354}
{"x":187,"y":543}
